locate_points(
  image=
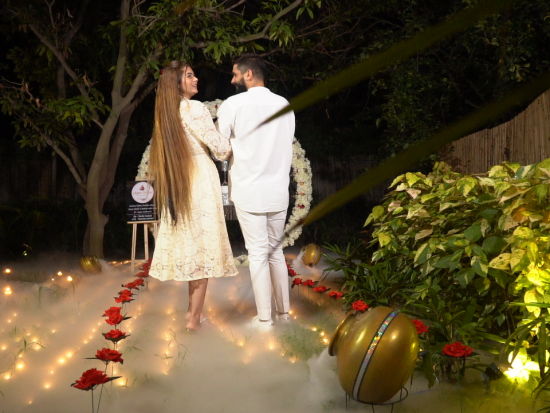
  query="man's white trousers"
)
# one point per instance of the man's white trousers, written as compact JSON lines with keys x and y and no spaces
{"x":262,"y":234}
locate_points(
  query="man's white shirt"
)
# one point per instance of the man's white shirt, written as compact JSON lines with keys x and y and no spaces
{"x":260,"y":169}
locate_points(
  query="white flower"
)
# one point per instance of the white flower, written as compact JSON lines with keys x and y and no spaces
{"x":143,"y":168}
{"x":213,"y":106}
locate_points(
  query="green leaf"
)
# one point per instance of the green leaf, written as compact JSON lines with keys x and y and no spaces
{"x":422,"y":254}
{"x":466,"y":184}
{"x":489,"y":213}
{"x":483,"y":285}
{"x":427,"y":197}
{"x":523,"y":233}
{"x":532,"y":251}
{"x":486,"y":181}
{"x":423,"y":234}
{"x":493,"y":245}
{"x":376,"y":213}
{"x":450,"y":262}
{"x":473,"y":233}
{"x":519,"y":260}
{"x":538,"y":276}
{"x":479,"y":266}
{"x":396,"y":181}
{"x":502,"y":262}
{"x":532,"y":296}
{"x":428,"y":368}
{"x":384,"y":238}
{"x":500,"y":319}
{"x":500,"y":277}
{"x":465,"y":276}
{"x":416,"y":210}
{"x":412,"y":178}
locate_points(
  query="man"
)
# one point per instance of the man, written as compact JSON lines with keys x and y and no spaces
{"x":259,"y":178}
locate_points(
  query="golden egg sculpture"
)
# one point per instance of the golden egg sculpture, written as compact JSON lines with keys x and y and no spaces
{"x":311,"y":254}
{"x":375,"y":353}
{"x":90,"y":264}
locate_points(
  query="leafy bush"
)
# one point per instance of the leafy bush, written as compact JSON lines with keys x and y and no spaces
{"x":468,"y":252}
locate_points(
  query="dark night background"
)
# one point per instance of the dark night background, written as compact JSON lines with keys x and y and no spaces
{"x":342,"y":135}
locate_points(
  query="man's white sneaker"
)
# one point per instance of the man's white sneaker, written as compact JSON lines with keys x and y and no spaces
{"x":283,"y":317}
{"x":260,"y":325}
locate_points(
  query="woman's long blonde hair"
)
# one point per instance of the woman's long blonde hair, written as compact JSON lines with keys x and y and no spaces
{"x":171,"y":160}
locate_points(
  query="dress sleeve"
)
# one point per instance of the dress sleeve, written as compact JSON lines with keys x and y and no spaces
{"x":208,"y":134}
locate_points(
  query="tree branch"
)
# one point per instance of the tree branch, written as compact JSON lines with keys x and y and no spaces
{"x":80,"y":18}
{"x":116,"y":93}
{"x":139,"y":79}
{"x":118,"y":142}
{"x":278,"y":16}
{"x":72,"y":168}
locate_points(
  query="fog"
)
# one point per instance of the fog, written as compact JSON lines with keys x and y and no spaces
{"x":49,"y":329}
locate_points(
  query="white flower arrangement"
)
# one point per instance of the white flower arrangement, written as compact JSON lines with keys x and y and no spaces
{"x":301,"y":173}
{"x":143,"y":168}
{"x":213,"y":106}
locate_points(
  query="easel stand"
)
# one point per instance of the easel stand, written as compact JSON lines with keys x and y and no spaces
{"x":145,"y":224}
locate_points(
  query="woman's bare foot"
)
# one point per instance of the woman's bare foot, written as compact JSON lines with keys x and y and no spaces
{"x":193,"y":323}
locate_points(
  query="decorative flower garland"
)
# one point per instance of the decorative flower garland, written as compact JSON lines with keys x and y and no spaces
{"x":301,"y":173}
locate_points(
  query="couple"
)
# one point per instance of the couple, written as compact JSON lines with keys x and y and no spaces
{"x":192,"y":243}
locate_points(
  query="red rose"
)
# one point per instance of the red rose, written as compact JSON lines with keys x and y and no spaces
{"x":296,"y":281}
{"x":457,"y":349}
{"x":320,"y":289}
{"x":131,"y":285}
{"x":107,"y":355}
{"x":359,"y":305}
{"x":146,"y":265}
{"x":420,"y":327}
{"x":143,"y":274}
{"x":112,"y":311}
{"x":124,"y":296}
{"x":335,"y":294}
{"x":301,"y":206}
{"x":134,"y":284}
{"x":115,"y":335}
{"x":309,"y":283}
{"x":90,"y":379}
{"x":291,"y":272}
{"x":114,"y":319}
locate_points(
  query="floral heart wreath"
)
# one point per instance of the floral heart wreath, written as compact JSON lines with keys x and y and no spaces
{"x":301,"y":174}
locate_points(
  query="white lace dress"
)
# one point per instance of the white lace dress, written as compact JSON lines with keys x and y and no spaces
{"x":198,"y":247}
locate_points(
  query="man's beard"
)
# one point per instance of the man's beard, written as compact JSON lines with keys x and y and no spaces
{"x":240,"y":87}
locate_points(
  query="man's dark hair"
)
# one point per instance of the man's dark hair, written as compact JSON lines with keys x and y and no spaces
{"x":254,"y":63}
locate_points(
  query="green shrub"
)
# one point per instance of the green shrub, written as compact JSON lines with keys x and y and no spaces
{"x":468,"y":252}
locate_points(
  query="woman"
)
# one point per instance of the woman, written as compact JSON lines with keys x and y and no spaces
{"x":192,"y":243}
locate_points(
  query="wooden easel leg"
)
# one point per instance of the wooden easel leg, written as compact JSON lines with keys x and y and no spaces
{"x":146,"y":241}
{"x":133,"y":253}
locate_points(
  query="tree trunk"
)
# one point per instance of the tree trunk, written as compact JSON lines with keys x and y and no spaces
{"x":95,"y":230}
{"x":94,"y":204}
